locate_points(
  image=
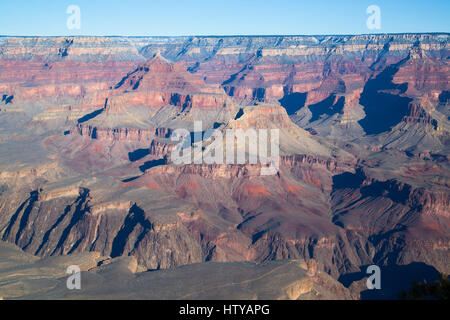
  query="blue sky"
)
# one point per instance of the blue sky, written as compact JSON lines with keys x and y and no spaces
{"x":227,"y":17}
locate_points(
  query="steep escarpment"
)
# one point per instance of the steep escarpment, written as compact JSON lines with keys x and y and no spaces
{"x":71,"y":222}
{"x":403,"y":222}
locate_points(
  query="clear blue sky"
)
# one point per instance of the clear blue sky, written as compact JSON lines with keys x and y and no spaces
{"x":226,"y":17}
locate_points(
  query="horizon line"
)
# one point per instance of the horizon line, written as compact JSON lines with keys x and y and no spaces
{"x":228,"y":36}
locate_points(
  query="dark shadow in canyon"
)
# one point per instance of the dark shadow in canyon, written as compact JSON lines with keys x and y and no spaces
{"x":179,"y":100}
{"x":7,"y":99}
{"x":384,"y":110}
{"x":138,"y":154}
{"x":398,"y":193}
{"x":152,"y":163}
{"x":147,"y":165}
{"x":444,"y":97}
{"x":259,"y":94}
{"x":239,"y":114}
{"x":394,"y":279}
{"x":293,"y":102}
{"x":392,"y":189}
{"x":135,"y":217}
{"x":130,"y":179}
{"x":26,"y":207}
{"x":63,"y":52}
{"x":80,"y":209}
{"x":90,"y":116}
{"x":326,"y":107}
{"x":53,"y":227}
{"x":348,"y":180}
{"x":241,"y":73}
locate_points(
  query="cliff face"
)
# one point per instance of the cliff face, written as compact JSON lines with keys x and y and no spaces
{"x":85,"y":148}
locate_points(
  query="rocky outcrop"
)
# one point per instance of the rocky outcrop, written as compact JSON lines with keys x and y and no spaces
{"x":71,"y":224}
{"x":158,"y":82}
{"x":115,"y":134}
{"x":418,"y":115}
{"x":400,"y":224}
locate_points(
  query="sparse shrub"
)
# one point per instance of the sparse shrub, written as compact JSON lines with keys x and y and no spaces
{"x":439,"y":290}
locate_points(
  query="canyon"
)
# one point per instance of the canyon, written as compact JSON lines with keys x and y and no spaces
{"x":364,"y":137}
